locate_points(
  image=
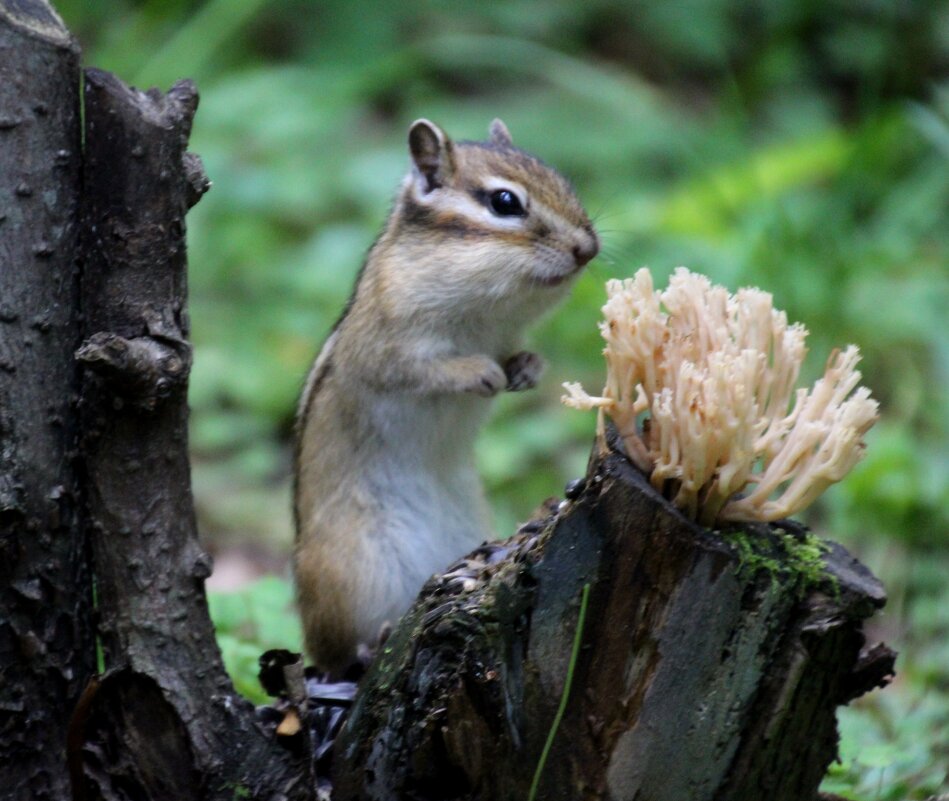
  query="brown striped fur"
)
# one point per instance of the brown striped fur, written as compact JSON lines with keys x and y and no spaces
{"x":385,"y":488}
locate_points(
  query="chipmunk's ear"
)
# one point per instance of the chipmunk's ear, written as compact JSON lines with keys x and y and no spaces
{"x":431,"y":151}
{"x":500,"y":135}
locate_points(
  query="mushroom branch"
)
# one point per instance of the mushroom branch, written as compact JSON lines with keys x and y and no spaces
{"x":700,"y":384}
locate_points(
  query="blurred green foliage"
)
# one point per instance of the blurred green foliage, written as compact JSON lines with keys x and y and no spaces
{"x":251,"y":622}
{"x":799,"y":147}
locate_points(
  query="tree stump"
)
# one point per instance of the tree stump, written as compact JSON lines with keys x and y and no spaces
{"x":707,"y":667}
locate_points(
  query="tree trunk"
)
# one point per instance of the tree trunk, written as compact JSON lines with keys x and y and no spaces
{"x":164,"y":722}
{"x":697,"y":674}
{"x":92,"y":253}
{"x":47,"y":647}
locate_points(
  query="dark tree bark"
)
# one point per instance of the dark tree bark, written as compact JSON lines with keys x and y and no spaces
{"x":697,"y":678}
{"x":47,"y":649}
{"x":92,"y":267}
{"x":164,"y":721}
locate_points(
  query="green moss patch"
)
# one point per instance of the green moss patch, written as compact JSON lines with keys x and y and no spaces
{"x":791,"y":556}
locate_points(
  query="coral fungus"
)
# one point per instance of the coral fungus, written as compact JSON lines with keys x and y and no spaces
{"x":699,"y":385}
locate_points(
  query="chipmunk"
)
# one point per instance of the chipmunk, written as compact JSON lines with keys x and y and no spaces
{"x":482,"y":239}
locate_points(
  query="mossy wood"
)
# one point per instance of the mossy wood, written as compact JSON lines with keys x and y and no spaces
{"x":700,"y":675}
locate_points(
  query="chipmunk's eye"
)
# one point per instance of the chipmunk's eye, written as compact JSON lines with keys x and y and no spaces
{"x":506,"y":204}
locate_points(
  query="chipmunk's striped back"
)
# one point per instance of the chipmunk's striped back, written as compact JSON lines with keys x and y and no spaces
{"x":483,"y":238}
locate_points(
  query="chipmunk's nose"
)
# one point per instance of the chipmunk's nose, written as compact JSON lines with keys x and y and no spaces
{"x":584,"y":252}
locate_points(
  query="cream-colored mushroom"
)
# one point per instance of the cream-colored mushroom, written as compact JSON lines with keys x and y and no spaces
{"x":712,"y":376}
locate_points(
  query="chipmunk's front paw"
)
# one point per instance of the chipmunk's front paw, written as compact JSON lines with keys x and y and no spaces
{"x":488,"y":380}
{"x":523,"y":371}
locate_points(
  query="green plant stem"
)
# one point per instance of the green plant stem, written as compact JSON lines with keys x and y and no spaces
{"x":574,"y":653}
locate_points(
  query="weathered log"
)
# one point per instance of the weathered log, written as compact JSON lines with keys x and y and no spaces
{"x":709,"y":665}
{"x":164,"y":721}
{"x":47,"y":647}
